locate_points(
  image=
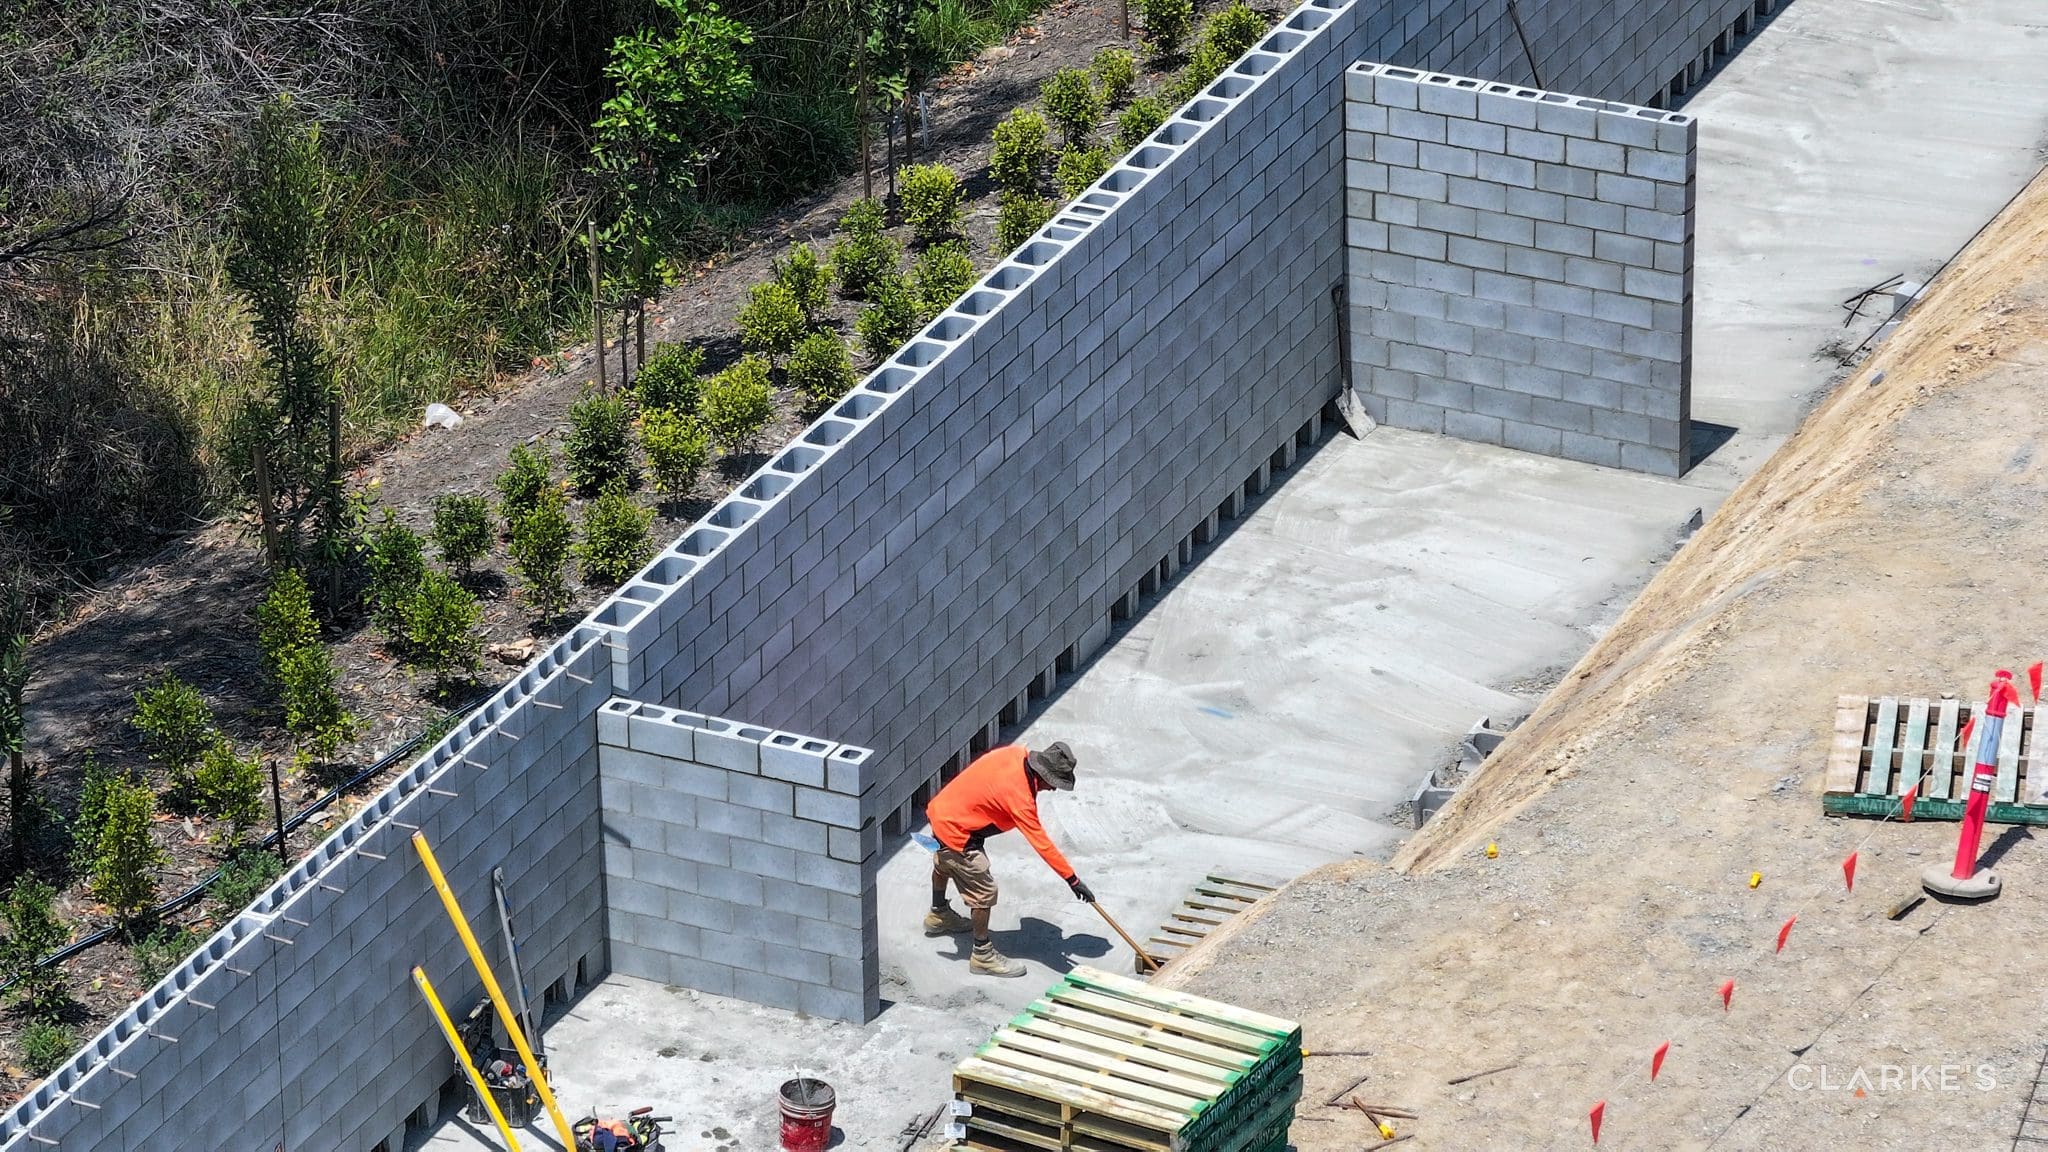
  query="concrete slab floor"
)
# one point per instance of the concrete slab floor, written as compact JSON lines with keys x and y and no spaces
{"x":1266,"y":713}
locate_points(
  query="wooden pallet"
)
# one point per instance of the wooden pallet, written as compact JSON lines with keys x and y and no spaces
{"x":1212,"y":901}
{"x":1885,"y":745}
{"x":1105,"y":1063}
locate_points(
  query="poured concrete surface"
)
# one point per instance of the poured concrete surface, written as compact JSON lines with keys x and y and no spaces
{"x":1266,"y":713}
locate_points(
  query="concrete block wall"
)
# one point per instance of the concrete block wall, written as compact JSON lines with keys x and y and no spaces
{"x":1521,"y":266}
{"x":736,"y":861}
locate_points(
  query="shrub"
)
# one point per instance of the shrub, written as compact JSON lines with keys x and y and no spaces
{"x":92,"y":809}
{"x":160,"y":951}
{"x":1117,"y":71}
{"x":229,"y":787}
{"x":540,"y":550}
{"x":1166,"y":24}
{"x":771,"y":321}
{"x":669,"y":379}
{"x":45,"y":1046}
{"x":864,"y":256}
{"x":599,"y":446}
{"x":176,"y":724}
{"x":462,"y":529}
{"x":284,"y":623}
{"x":931,"y":201}
{"x":1080,"y":167}
{"x":805,"y":276}
{"x":33,"y":932}
{"x":1138,"y":121}
{"x":1073,"y":103}
{"x":888,"y":322}
{"x":398,"y":558}
{"x":312,"y":708}
{"x":125,"y":857}
{"x":677,"y":447}
{"x":1204,"y":65}
{"x":939,"y":277}
{"x":526,"y":474}
{"x":737,"y":404}
{"x":1022,"y":214}
{"x":440,"y":627}
{"x":243,"y":877}
{"x":1020,"y":153}
{"x":821,"y":369}
{"x":1234,"y":30}
{"x":615,"y":541}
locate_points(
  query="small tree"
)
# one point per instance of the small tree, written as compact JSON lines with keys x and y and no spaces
{"x":398,"y":558}
{"x":737,"y":404}
{"x":33,"y":932}
{"x":1166,"y":24}
{"x":1234,"y":30}
{"x":771,"y":321}
{"x":1073,"y":103}
{"x":600,"y":442}
{"x":312,"y":708}
{"x":1022,"y":214}
{"x":890,"y":320}
{"x":1117,"y":71}
{"x":939,"y":277}
{"x":864,"y":256}
{"x":669,"y":379}
{"x":440,"y":628}
{"x":615,"y":541}
{"x":99,"y":784}
{"x":176,"y":725}
{"x":931,"y":201}
{"x":284,"y":623}
{"x":229,"y":787}
{"x":1080,"y":167}
{"x":1138,"y":121}
{"x":126,"y":858}
{"x":1020,"y":153}
{"x":526,"y":473}
{"x":677,"y":447}
{"x":540,"y":551}
{"x":821,"y":369}
{"x":462,"y":529}
{"x":806,"y":277}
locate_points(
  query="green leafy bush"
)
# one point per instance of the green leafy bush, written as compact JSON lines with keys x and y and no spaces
{"x":771,"y":321}
{"x":229,"y":787}
{"x":884,"y":325}
{"x":1021,"y":152}
{"x":312,"y":708}
{"x":1166,"y":25}
{"x":440,"y":627}
{"x":931,"y":201}
{"x":176,"y":724}
{"x":615,"y":538}
{"x":1138,"y":121}
{"x":160,"y":951}
{"x":676,"y":445}
{"x":864,"y":256}
{"x":669,"y":379}
{"x":284,"y":623}
{"x":1117,"y":71}
{"x":92,"y":809}
{"x":821,"y":369}
{"x":1234,"y":30}
{"x":737,"y":404}
{"x":398,"y":558}
{"x":243,"y":877}
{"x":1080,"y":167}
{"x":462,"y":529}
{"x":806,"y":277}
{"x":526,"y":474}
{"x":1022,"y":214}
{"x":1204,"y":65}
{"x":1073,"y":103}
{"x":33,"y":932}
{"x":45,"y":1046}
{"x":125,"y":857}
{"x":599,"y":446}
{"x":939,"y":276}
{"x":540,"y":551}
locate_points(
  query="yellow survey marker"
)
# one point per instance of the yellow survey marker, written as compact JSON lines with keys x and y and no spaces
{"x":483,"y":969}
{"x":476,"y":1078}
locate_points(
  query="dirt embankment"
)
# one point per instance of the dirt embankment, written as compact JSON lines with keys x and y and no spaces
{"x":1894,"y":545}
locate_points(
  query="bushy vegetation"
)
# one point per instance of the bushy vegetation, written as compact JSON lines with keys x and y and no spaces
{"x":33,"y":932}
{"x":1072,"y":101}
{"x":737,"y":404}
{"x":669,"y":378}
{"x":821,"y":370}
{"x":931,"y":196}
{"x":1021,"y":214}
{"x":45,"y":1045}
{"x":1141,"y":119}
{"x":243,"y":877}
{"x":885,"y":324}
{"x":228,"y":786}
{"x":440,"y":628}
{"x":177,"y":727}
{"x":677,"y":447}
{"x":313,"y":712}
{"x":1116,"y":70}
{"x":157,"y":952}
{"x":462,"y":529}
{"x":771,"y":321}
{"x":1080,"y":167}
{"x":1166,"y":25}
{"x":1021,"y":152}
{"x":806,"y":278}
{"x":864,"y":255}
{"x":615,"y":538}
{"x":397,"y":560}
{"x":125,"y":858}
{"x":1233,"y":30}
{"x":540,"y":551}
{"x":939,"y":276}
{"x":93,"y":794}
{"x":599,"y":445}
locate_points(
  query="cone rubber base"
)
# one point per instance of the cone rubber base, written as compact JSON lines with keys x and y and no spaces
{"x":1984,"y":885}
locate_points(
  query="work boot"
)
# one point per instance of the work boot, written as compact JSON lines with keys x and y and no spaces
{"x":946,"y":922}
{"x":986,"y":961}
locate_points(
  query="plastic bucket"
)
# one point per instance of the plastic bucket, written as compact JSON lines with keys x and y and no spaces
{"x":806,"y":1115}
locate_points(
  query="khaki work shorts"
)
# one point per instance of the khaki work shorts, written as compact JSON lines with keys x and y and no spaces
{"x":969,"y":872}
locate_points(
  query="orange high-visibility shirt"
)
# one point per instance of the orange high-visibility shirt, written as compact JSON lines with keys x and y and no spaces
{"x":993,"y":795}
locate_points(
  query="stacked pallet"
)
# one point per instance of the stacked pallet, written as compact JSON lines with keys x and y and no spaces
{"x":1886,"y":746}
{"x":1213,"y":900}
{"x":1105,"y":1063}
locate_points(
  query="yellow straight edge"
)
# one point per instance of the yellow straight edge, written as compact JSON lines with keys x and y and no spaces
{"x":497,"y":994}
{"x":476,"y":1078}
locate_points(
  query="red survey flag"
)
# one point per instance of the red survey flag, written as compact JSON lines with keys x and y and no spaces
{"x":1727,"y":994}
{"x":1849,"y":871}
{"x":1785,"y":931}
{"x":1599,"y":1111}
{"x":1657,"y":1060}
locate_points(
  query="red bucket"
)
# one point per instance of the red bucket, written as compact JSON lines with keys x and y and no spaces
{"x":806,"y":1115}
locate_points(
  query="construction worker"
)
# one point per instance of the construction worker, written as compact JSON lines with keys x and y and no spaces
{"x":998,"y":792}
